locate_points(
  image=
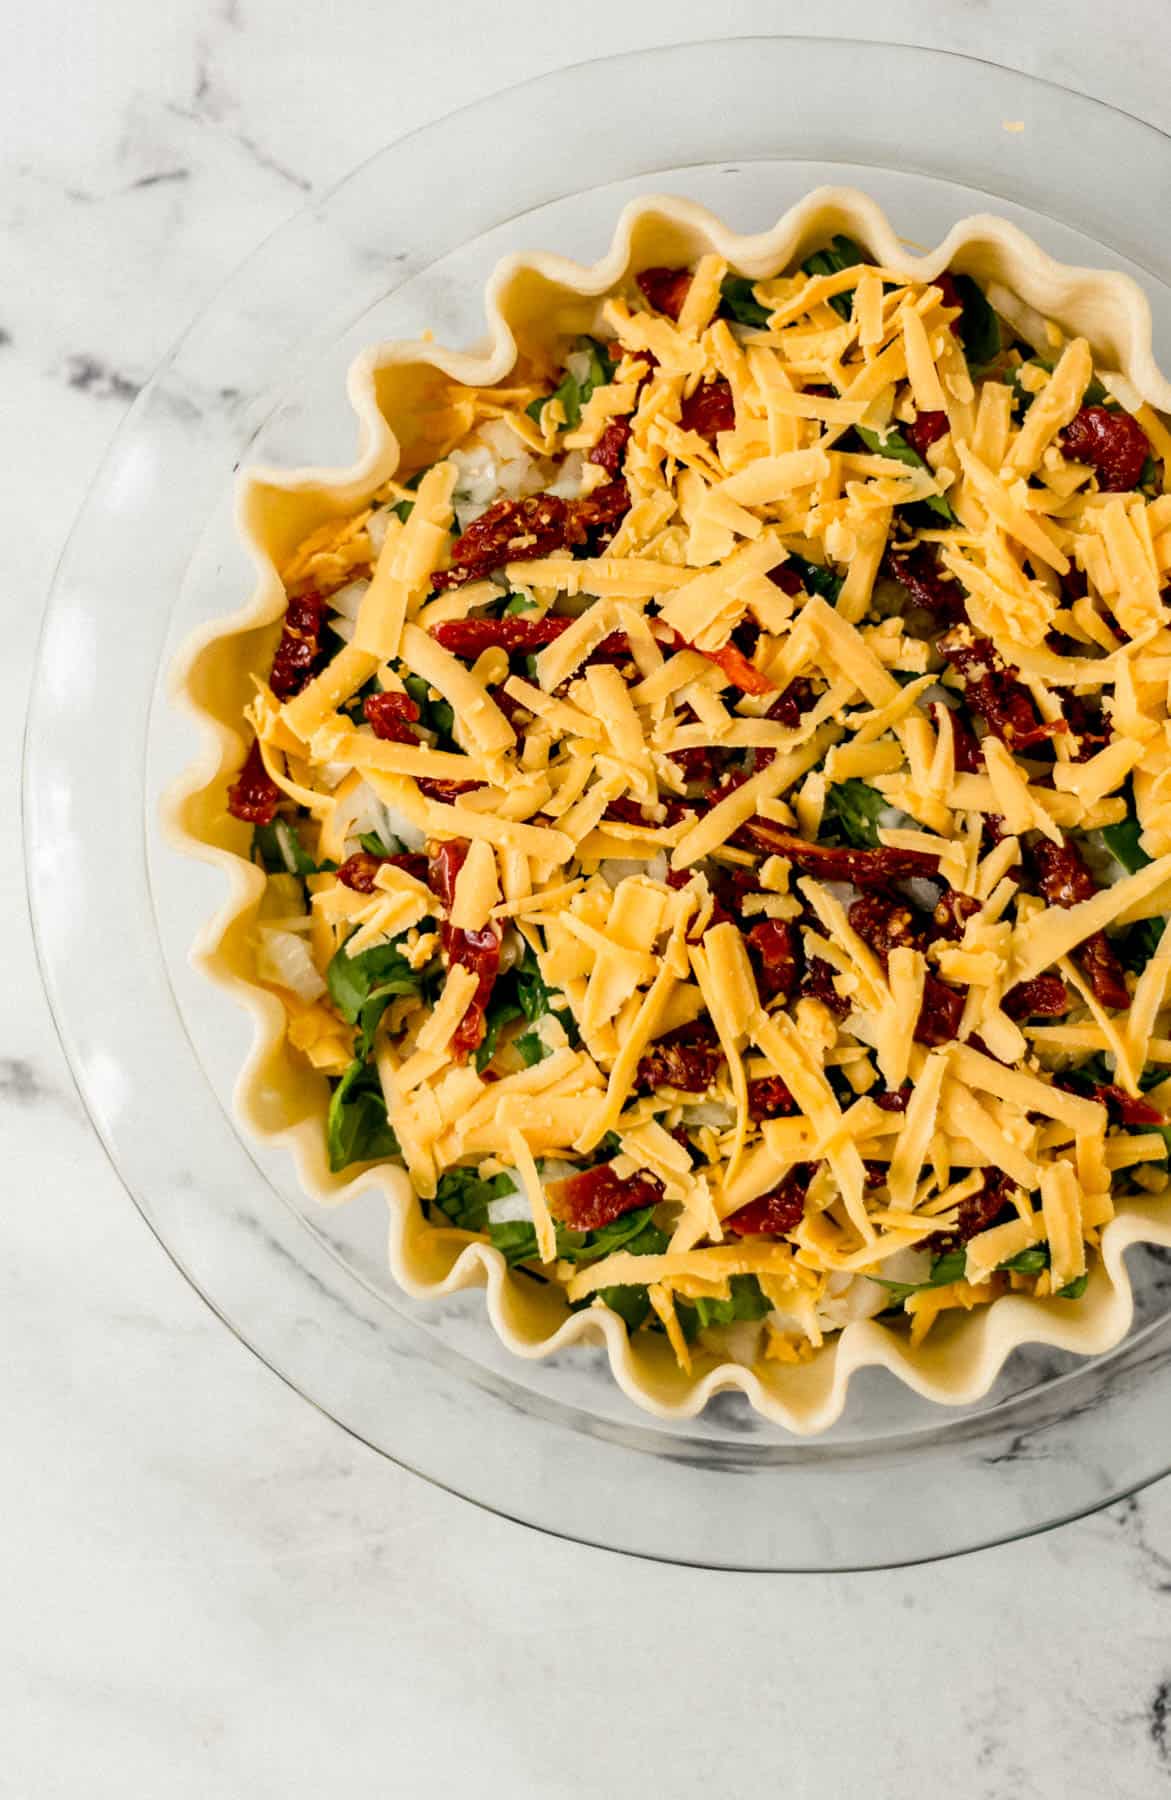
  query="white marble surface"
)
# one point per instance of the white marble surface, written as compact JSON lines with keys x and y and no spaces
{"x":205,"y":1588}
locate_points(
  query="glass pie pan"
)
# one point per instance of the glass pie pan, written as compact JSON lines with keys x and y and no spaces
{"x":406,"y":244}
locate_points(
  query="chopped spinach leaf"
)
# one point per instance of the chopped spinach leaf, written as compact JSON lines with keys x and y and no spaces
{"x":840,"y":253}
{"x":892,"y":443}
{"x":854,"y":807}
{"x":434,"y":715}
{"x":530,"y":1049}
{"x":502,"y":1010}
{"x":1027,"y":1262}
{"x":463,"y":1197}
{"x":518,"y":603}
{"x":1073,"y":1290}
{"x":746,"y":1301}
{"x":362,"y":986}
{"x":816,"y":578}
{"x":403,"y":510}
{"x":740,"y":303}
{"x":279,"y":851}
{"x":379,"y":846}
{"x":357,"y":1129}
{"x":1122,"y":840}
{"x":573,"y":391}
{"x":979,"y":325}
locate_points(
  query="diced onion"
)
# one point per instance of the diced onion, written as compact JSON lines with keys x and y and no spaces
{"x":283,"y":958}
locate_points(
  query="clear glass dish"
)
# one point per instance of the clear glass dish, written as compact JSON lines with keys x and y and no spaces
{"x":406,"y":243}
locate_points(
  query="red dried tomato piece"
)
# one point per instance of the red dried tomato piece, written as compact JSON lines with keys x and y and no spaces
{"x":969,"y":758}
{"x":709,"y":409}
{"x":1064,"y":879}
{"x":769,"y":1098}
{"x":865,"y":868}
{"x":1086,"y":725}
{"x":610,"y":448}
{"x":772,"y":948}
{"x":817,"y":983}
{"x":254,"y":796}
{"x":790,"y":706}
{"x":885,"y":924}
{"x":358,"y":871}
{"x":665,"y":289}
{"x":596,"y":1197}
{"x":392,"y":716}
{"x":298,"y":653}
{"x":940,"y":1014}
{"x":516,"y":632}
{"x":946,"y":283}
{"x":1045,"y":997}
{"x":509,"y":531}
{"x":928,"y":583}
{"x":989,"y":687}
{"x":443,"y":867}
{"x":478,"y":951}
{"x":445,"y":791}
{"x":952,"y":912}
{"x":1112,"y":442}
{"x":687,"y":1059}
{"x":740,"y":672}
{"x":779,"y":1211}
{"x":925,"y":429}
{"x":894,"y":1099}
{"x":978,"y":1211}
{"x":696,"y":766}
{"x":1128,"y":1109}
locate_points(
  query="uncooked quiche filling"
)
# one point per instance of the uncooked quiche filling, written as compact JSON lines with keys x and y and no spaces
{"x":713,"y":804}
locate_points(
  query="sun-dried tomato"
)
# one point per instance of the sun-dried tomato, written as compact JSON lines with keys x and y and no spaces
{"x":1087,"y":727}
{"x":605,"y":506}
{"x":254,"y":796}
{"x":968,"y":757}
{"x":709,"y":409}
{"x":978,"y":1211}
{"x":1064,"y":879}
{"x":1113,"y":444}
{"x":596,"y":1197}
{"x":952,"y":912}
{"x":687,"y":1059}
{"x":772,"y":949}
{"x":698,"y":766}
{"x":445,"y":791}
{"x":391,"y":716}
{"x":740,"y":672}
{"x":665,"y":289}
{"x":779,"y":1211}
{"x":894,"y":1099}
{"x":298,"y":654}
{"x":925,"y":429}
{"x":1044,"y":997}
{"x":928,"y":583}
{"x":817,"y":983}
{"x":514,"y":710}
{"x":1128,"y":1109}
{"x":769,"y":1098}
{"x":940,"y":1014}
{"x":443,"y":866}
{"x":865,"y":868}
{"x":510,"y":531}
{"x":946,"y":283}
{"x":885,"y":924}
{"x":478,"y":951}
{"x":993,"y":691}
{"x":610,"y":448}
{"x":358,"y":871}
{"x":469,"y":638}
{"x":790,"y":706}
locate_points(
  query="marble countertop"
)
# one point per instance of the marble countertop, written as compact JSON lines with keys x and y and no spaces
{"x":206,"y":1589}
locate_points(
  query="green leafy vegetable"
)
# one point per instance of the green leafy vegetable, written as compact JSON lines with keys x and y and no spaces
{"x":573,"y":391}
{"x":840,"y":253}
{"x":434,"y":715}
{"x":530,"y":1048}
{"x":357,"y":1129}
{"x":1027,"y":1262}
{"x":1122,"y":840}
{"x":519,"y":604}
{"x":746,"y":1302}
{"x":1073,"y":1290}
{"x":502,"y":1010}
{"x":362,"y":986}
{"x":463,"y":1197}
{"x":892,"y":443}
{"x":1149,"y":474}
{"x":740,"y":303}
{"x":403,"y":510}
{"x":279,"y":851}
{"x":979,"y":325}
{"x":816,"y":578}
{"x":947,"y":1267}
{"x":854,"y":806}
{"x":379,"y":846}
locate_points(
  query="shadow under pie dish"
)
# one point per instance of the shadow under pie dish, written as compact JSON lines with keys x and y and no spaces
{"x":699,"y":751}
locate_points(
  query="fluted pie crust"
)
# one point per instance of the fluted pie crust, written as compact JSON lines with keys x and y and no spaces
{"x":532,"y":300}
